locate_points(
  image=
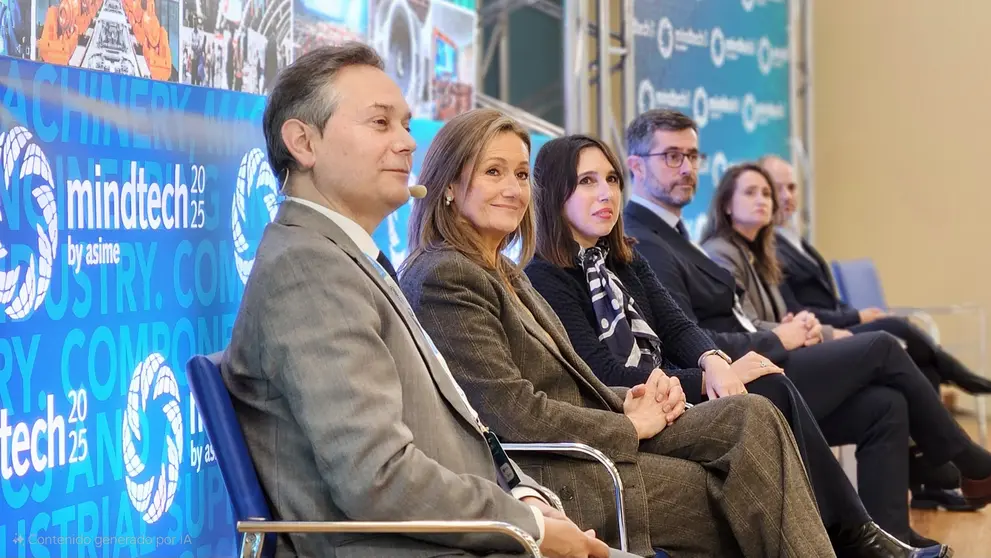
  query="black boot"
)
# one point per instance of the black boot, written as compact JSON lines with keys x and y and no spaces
{"x":918,"y":541}
{"x":870,"y":541}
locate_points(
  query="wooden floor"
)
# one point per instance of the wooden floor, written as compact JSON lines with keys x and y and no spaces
{"x":969,"y":534}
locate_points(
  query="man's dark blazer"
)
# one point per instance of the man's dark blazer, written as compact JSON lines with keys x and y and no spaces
{"x":705,"y":291}
{"x":808,"y":285}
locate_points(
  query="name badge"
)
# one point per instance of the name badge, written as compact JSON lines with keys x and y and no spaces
{"x":502,"y":460}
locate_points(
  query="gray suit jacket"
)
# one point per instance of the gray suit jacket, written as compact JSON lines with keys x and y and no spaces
{"x":762,"y":305}
{"x":345,"y":407}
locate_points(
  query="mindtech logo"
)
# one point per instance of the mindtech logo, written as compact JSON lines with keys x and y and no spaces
{"x":700,"y":107}
{"x":769,"y":57}
{"x":722,"y":48}
{"x":27,"y":182}
{"x":648,"y":98}
{"x":152,"y":418}
{"x":670,"y":39}
{"x":717,"y":167}
{"x":665,"y":37}
{"x":754,"y":114}
{"x":255,"y":205}
{"x":706,"y":108}
{"x":717,"y":47}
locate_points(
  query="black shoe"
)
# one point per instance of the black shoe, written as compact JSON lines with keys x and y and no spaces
{"x":870,"y":541}
{"x":925,"y":498}
{"x":923,"y":473}
{"x":966,"y":380}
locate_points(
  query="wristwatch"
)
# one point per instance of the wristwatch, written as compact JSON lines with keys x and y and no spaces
{"x":717,"y":353}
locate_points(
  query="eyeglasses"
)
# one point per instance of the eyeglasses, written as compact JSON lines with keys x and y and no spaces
{"x":675,"y":159}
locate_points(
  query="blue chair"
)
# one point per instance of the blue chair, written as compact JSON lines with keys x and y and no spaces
{"x":251,"y":512}
{"x":859,"y":285}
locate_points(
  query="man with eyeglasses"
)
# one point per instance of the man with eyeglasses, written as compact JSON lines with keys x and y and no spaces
{"x":859,"y":389}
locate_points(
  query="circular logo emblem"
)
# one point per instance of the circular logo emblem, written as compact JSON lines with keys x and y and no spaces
{"x":718,"y":167}
{"x":645,"y":96}
{"x":700,"y":107}
{"x":255,"y":204}
{"x":665,"y":37}
{"x":717,"y":47}
{"x":26,"y":170}
{"x":748,"y":113}
{"x":764,"y":55}
{"x":152,"y":438}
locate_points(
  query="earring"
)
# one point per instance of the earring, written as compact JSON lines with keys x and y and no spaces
{"x":448,"y":199}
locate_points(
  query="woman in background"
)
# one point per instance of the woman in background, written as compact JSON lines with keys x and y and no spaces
{"x":739,"y":236}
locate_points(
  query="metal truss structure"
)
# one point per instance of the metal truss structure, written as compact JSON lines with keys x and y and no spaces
{"x":598,"y":88}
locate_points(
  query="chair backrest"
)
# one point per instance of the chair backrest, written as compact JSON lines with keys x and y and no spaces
{"x":224,"y":431}
{"x":859,"y":284}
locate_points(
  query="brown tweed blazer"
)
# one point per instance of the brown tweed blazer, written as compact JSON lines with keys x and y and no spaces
{"x":520,"y":392}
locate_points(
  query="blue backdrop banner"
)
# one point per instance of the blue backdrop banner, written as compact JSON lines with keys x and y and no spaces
{"x":130,"y":210}
{"x":726,"y":64}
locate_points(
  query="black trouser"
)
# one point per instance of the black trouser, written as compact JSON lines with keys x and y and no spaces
{"x":838,"y":502}
{"x":833,"y":378}
{"x":876,"y":420}
{"x":935,"y":363}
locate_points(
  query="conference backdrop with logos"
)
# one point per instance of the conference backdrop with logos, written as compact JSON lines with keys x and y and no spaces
{"x":134,"y":192}
{"x":726,"y":64}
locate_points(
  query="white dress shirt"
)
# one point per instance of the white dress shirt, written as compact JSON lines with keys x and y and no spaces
{"x":367,"y":245}
{"x":672,"y":220}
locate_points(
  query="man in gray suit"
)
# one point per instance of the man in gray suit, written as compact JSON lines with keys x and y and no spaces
{"x":347,"y":409}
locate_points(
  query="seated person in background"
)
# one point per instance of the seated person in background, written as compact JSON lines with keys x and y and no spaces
{"x":752,"y":205}
{"x":833,"y":378}
{"x":690,"y":478}
{"x":808,"y":285}
{"x":624,"y":324}
{"x":740,"y":237}
{"x":347,"y":411}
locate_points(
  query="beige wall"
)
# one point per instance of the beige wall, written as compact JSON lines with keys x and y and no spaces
{"x":902,"y":158}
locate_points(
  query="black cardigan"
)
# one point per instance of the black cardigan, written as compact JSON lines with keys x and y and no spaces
{"x":682,"y":341}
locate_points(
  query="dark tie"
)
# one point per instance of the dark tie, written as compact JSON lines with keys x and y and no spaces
{"x":682,"y":230}
{"x":383,"y":261}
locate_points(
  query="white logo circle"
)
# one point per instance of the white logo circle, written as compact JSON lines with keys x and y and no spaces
{"x":254,"y":178}
{"x":748,"y":113}
{"x":718,"y":167}
{"x":748,"y":5}
{"x":700,"y":107}
{"x":645,"y":96}
{"x":717,"y":47}
{"x":665,"y":37}
{"x":19,"y":149}
{"x":764,"y":55}
{"x":152,"y":487}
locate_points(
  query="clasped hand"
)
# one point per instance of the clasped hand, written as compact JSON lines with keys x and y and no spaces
{"x":654,"y":404}
{"x":799,"y":330}
{"x":564,"y":539}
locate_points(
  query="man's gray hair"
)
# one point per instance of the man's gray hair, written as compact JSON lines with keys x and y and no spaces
{"x":640,"y":132}
{"x":304,"y":91}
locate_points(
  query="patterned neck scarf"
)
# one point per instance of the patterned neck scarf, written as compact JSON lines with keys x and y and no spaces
{"x":619,"y":323}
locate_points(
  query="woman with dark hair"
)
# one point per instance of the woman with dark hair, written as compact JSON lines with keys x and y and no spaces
{"x":624,"y":324}
{"x":739,"y":236}
{"x":690,"y":476}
